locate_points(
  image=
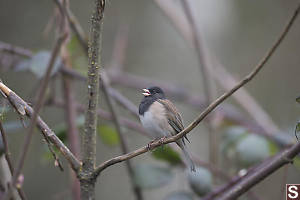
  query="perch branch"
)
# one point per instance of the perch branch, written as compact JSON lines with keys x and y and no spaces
{"x":209,"y":109}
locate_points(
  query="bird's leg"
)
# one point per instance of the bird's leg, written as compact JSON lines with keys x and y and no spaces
{"x":160,"y":141}
{"x":149,"y":145}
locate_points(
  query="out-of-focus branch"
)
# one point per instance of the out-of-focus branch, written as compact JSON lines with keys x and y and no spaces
{"x":70,"y":111}
{"x":207,"y":80}
{"x":24,"y":109}
{"x":37,"y":107}
{"x":262,"y":171}
{"x":246,"y":100}
{"x":255,"y":111}
{"x":5,"y":47}
{"x":105,"y":115}
{"x":74,"y":24}
{"x":181,"y":94}
{"x":124,"y":146}
{"x":8,"y":159}
{"x":208,"y":110}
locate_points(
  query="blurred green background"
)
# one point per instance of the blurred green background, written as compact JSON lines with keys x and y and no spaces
{"x":238,"y":33}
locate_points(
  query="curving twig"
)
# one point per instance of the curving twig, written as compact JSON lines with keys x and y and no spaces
{"x":209,"y":109}
{"x":21,"y":106}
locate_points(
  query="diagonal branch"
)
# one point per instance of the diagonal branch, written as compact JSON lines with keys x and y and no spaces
{"x":37,"y":107}
{"x":19,"y":103}
{"x":124,"y":145}
{"x":210,"y":108}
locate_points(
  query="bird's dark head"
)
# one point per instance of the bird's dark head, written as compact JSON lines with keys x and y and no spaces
{"x":154,"y":92}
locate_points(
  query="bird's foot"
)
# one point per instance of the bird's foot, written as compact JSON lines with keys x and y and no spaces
{"x":149,"y":145}
{"x":160,"y":141}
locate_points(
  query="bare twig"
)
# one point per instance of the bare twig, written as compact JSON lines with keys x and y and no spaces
{"x":37,"y":107}
{"x":8,"y":159}
{"x":15,"y":49}
{"x":264,"y":170}
{"x":209,"y":109}
{"x":255,"y":111}
{"x":124,"y":146}
{"x":18,"y":104}
{"x":74,"y":24}
{"x":207,"y":80}
{"x":70,"y":111}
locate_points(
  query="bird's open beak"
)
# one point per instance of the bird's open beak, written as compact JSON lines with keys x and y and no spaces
{"x":146,"y":92}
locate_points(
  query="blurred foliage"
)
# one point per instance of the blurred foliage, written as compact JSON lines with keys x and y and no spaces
{"x":77,"y":55}
{"x":108,"y":135}
{"x":245,"y":148}
{"x":179,"y":196}
{"x":38,"y":64}
{"x":251,"y":150}
{"x":200,"y":180}
{"x":166,"y":153}
{"x":149,"y":176}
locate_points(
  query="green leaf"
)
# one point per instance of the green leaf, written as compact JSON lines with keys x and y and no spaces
{"x":149,"y":176}
{"x":61,"y":131}
{"x":39,"y":63}
{"x":273,"y":148}
{"x":231,"y":136}
{"x":252,"y":150}
{"x":179,"y":196}
{"x":166,"y":153}
{"x":78,"y":57}
{"x":108,"y":135}
{"x":297,"y":130}
{"x":297,"y":162}
{"x":200,"y":180}
{"x":298,"y":99}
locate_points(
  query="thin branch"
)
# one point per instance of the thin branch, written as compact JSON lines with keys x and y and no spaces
{"x":15,"y":50}
{"x":37,"y":107}
{"x":104,"y":115}
{"x":124,"y":145}
{"x":74,"y":24}
{"x":70,"y":111}
{"x":227,"y":111}
{"x":8,"y":159}
{"x":209,"y":109}
{"x":207,"y":80}
{"x":23,"y":108}
{"x":252,"y":107}
{"x":267,"y":168}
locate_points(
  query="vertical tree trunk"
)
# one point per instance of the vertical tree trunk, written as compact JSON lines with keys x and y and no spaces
{"x":87,"y":180}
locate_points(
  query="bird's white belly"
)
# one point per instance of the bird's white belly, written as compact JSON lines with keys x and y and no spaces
{"x":151,"y":125}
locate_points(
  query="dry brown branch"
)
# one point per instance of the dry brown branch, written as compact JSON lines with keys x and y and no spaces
{"x":23,"y":108}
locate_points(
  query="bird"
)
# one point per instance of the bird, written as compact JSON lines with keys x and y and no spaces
{"x":161,"y":119}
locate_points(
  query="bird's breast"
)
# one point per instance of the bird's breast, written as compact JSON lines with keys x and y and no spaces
{"x":155,"y":121}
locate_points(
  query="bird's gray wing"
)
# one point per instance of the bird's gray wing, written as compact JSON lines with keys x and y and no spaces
{"x":173,"y":116}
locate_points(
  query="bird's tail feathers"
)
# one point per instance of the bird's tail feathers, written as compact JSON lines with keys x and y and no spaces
{"x":188,"y":158}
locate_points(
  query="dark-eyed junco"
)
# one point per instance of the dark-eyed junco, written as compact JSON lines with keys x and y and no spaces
{"x":160,"y":118}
